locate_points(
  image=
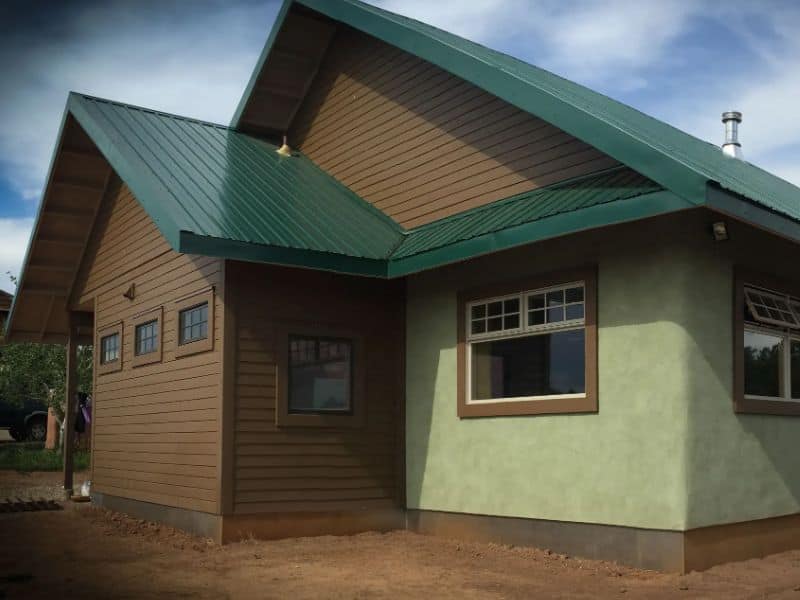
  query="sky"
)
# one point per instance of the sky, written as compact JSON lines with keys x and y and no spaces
{"x":682,"y":61}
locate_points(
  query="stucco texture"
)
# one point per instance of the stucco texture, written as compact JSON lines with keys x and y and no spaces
{"x":665,"y":450}
{"x":742,"y":466}
{"x":624,"y":465}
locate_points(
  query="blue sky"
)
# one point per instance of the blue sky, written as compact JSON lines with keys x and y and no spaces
{"x":683,"y":61}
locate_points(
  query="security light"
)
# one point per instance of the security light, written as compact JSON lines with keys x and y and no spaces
{"x":720,"y":231}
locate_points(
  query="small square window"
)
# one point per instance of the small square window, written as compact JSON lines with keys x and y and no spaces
{"x":146,"y":338}
{"x":109,"y":349}
{"x":320,"y":375}
{"x":147,"y":334}
{"x":195,"y":324}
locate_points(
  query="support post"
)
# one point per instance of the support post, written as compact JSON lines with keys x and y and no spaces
{"x":70,"y":404}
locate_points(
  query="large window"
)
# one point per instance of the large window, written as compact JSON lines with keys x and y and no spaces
{"x":320,"y":374}
{"x":766,"y":345}
{"x":531,"y":351}
{"x":771,"y":345}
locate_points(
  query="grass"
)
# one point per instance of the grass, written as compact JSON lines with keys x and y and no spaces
{"x":27,"y":457}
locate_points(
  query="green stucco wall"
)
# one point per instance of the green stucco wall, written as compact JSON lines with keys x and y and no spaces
{"x":665,"y":450}
{"x":741,"y":467}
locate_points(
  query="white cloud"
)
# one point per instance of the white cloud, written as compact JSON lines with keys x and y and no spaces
{"x":196,"y":66}
{"x":592,"y":41}
{"x":14,"y":234}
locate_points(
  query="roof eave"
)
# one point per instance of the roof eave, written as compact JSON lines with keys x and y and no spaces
{"x":8,"y":332}
{"x":262,"y":59}
{"x":742,"y":209}
{"x":593,"y":217}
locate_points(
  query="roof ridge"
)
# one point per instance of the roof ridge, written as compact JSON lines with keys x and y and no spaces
{"x":153,"y":111}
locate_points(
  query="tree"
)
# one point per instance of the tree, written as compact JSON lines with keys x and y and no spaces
{"x":39,"y":371}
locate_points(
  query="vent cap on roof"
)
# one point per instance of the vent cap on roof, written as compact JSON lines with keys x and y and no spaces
{"x":732,"y":147}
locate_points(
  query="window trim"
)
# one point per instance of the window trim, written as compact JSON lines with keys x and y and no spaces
{"x":115,"y":365}
{"x":743,"y":404}
{"x":186,"y":303}
{"x":534,"y":405}
{"x":356,"y":417}
{"x":157,"y":315}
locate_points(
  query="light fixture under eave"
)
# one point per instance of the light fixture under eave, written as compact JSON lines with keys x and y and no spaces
{"x":130,"y":293}
{"x":720,"y":231}
{"x":284,"y":150}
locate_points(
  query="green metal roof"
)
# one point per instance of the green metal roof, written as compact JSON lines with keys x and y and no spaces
{"x":200,"y":180}
{"x":674,"y":159}
{"x":218,"y":192}
{"x":613,"y":185}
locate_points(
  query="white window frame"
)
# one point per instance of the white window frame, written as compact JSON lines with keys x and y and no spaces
{"x":786,"y":333}
{"x":524,"y":330}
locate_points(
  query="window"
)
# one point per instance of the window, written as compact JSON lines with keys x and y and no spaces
{"x":108,"y":354}
{"x":147,"y":333}
{"x":146,"y":338}
{"x":109,"y":348}
{"x":320,"y":374}
{"x":532,"y":351}
{"x":767,"y":346}
{"x":195,"y":324}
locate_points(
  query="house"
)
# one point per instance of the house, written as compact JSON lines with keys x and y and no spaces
{"x":5,"y":307}
{"x":468,"y":297}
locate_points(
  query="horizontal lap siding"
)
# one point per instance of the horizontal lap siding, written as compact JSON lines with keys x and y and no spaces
{"x":315,"y":469}
{"x":156,"y":427}
{"x":421,"y":144}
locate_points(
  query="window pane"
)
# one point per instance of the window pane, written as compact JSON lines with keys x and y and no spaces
{"x":478,"y":326}
{"x":511,"y":306}
{"x":320,"y":375}
{"x":109,"y":348}
{"x":536,"y":317}
{"x":146,"y":338}
{"x":194,"y":323}
{"x":537,"y":365}
{"x":536,"y":301}
{"x":795,"y":370}
{"x":495,"y":324}
{"x":574,"y":294}
{"x":479,"y":311}
{"x":554,"y":315}
{"x":511,"y":322}
{"x":574,"y":311}
{"x":555,"y":298}
{"x":763,"y":357}
{"x":495,"y":308}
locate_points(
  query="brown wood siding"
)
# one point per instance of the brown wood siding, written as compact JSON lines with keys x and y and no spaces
{"x":156,"y":426}
{"x":292,"y":468}
{"x":421,"y":144}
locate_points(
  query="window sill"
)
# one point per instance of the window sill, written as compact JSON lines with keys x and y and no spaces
{"x":753,"y":406}
{"x":543,"y":406}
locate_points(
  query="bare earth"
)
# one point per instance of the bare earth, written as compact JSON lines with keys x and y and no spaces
{"x":83,"y":552}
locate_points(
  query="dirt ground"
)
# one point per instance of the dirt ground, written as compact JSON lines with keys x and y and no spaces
{"x":83,"y":552}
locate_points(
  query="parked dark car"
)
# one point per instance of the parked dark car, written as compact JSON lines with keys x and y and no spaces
{"x":24,"y":422}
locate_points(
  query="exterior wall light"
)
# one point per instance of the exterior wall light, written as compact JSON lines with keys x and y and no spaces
{"x":720,"y":231}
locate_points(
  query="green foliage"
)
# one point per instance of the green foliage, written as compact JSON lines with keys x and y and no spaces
{"x":33,"y":457}
{"x":39,"y":371}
